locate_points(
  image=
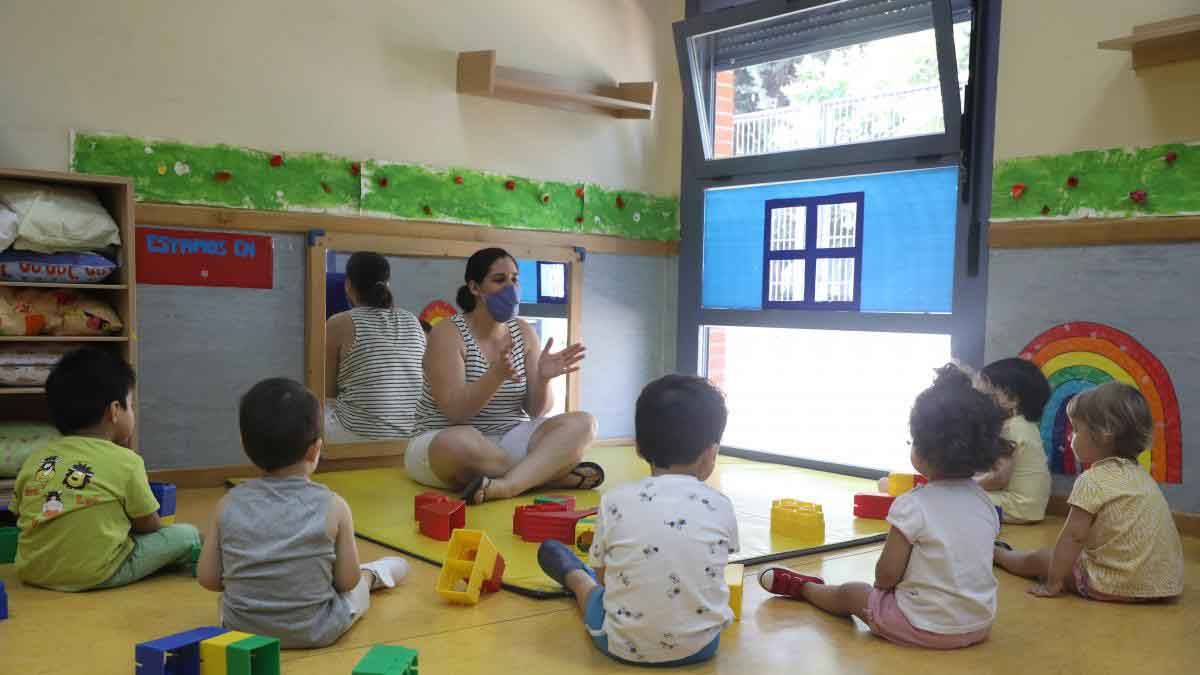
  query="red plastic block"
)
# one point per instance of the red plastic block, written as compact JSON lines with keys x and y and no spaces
{"x":496,"y":581}
{"x":539,"y":522}
{"x":872,"y":505}
{"x":439,"y":515}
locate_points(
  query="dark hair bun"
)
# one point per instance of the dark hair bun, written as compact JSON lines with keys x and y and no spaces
{"x":464,"y":299}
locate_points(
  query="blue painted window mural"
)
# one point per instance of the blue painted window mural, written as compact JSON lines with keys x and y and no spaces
{"x":874,"y":243}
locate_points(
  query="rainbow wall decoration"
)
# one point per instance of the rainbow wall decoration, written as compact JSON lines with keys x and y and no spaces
{"x":1077,"y":356}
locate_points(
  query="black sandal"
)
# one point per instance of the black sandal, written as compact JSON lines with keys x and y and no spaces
{"x":587,"y":481}
{"x":479,"y":484}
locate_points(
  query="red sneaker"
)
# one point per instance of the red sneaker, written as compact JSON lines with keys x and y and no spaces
{"x":781,"y":581}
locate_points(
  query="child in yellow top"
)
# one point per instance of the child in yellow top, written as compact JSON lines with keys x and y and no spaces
{"x":1119,"y":543}
{"x":1019,"y":482}
{"x":85,"y":510}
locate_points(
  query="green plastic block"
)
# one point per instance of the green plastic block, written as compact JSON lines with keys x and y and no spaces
{"x":388,"y":660}
{"x":256,"y":655}
{"x":194,"y":560}
{"x":551,"y":499}
{"x":8,"y":544}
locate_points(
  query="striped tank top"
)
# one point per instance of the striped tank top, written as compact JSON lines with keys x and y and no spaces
{"x":506,"y":409}
{"x":379,"y":378}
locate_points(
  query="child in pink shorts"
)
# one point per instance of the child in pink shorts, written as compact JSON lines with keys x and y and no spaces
{"x":934,"y":585}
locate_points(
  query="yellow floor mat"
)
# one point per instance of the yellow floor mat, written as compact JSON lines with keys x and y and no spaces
{"x":382,"y":502}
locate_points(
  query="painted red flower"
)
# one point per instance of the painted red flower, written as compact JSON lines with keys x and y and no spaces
{"x":1017,"y":190}
{"x":428,"y":210}
{"x":1138,"y":196}
{"x":579,"y":192}
{"x":579,"y":219}
{"x":383,"y":181}
{"x":1170,"y":157}
{"x":276,"y":160}
{"x":1045,"y":210}
{"x":222,"y":176}
{"x":326,"y":188}
{"x":510,"y":185}
{"x":458,"y":180}
{"x":355,"y":169}
{"x":546,"y":198}
{"x":1072,"y":181}
{"x":620,"y":202}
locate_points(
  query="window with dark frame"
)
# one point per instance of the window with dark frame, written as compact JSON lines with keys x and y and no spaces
{"x":812,"y":252}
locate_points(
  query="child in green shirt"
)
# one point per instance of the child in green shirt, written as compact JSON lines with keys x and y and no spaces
{"x":83,"y":502}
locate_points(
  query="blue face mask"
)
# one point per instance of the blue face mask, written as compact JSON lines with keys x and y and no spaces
{"x":504,"y":304}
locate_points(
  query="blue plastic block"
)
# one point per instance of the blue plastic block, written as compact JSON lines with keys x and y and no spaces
{"x":177,"y":654}
{"x":3,"y":602}
{"x":165,"y":494}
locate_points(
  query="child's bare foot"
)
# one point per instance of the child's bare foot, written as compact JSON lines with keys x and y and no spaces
{"x":386,"y":572}
{"x":782,"y":581}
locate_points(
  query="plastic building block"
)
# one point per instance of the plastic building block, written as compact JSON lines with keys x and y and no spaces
{"x":899,"y":483}
{"x":165,"y":494}
{"x":565,"y":500}
{"x":388,"y":660}
{"x":3,"y":602}
{"x":473,"y":566}
{"x":802,"y":520}
{"x":438,"y":515}
{"x":213,"y":652}
{"x":872,"y":505}
{"x":585,"y":531}
{"x":8,"y":544}
{"x":734,"y":574}
{"x":194,"y":560}
{"x":539,"y":522}
{"x":256,"y":655}
{"x":177,"y":654}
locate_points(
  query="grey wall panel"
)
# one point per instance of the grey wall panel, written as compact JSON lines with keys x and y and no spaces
{"x":1148,"y":291}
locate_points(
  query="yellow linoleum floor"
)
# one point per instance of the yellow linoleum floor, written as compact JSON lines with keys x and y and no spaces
{"x":95,"y":632}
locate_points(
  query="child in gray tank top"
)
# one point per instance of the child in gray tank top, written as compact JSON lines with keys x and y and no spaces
{"x":281,"y":548}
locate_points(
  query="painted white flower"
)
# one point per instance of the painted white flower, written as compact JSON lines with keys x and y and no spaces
{"x":637,"y":217}
{"x":182,"y":169}
{"x":279,"y":194}
{"x":597,"y":220}
{"x":149,"y":150}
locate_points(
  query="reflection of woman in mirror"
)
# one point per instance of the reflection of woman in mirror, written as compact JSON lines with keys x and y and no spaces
{"x":372,"y":359}
{"x":485,"y":378}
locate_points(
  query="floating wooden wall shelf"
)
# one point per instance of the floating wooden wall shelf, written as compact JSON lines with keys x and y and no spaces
{"x":1154,"y":44}
{"x":479,"y":75}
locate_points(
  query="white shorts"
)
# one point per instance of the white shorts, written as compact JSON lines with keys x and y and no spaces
{"x":334,"y":431}
{"x":515,"y":444}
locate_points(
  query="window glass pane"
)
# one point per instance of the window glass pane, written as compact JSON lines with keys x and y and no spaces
{"x":834,"y":280}
{"x":907,"y":222}
{"x":788,"y":228}
{"x":552,"y":282}
{"x":847,"y":72}
{"x":836,"y":225}
{"x":786,"y":281}
{"x":552,"y":328}
{"x":832,"y":396}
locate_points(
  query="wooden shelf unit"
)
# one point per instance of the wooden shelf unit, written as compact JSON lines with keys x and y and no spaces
{"x":116,"y":194}
{"x":1155,"y":44}
{"x":479,"y":75}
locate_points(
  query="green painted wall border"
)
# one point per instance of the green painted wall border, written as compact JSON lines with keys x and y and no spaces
{"x":1105,"y":180}
{"x":223,"y":175}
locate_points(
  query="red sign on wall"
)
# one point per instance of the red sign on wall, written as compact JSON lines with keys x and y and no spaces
{"x":198,"y":258}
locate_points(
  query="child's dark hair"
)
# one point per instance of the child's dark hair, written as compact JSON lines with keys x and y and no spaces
{"x":83,"y":385}
{"x":368,"y":274}
{"x":1021,"y":381}
{"x":477,"y":270}
{"x":678,"y":417}
{"x":1118,"y":411}
{"x":955,"y":427}
{"x":280,"y":419}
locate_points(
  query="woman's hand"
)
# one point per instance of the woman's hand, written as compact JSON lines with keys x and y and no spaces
{"x":504,"y":367}
{"x":552,"y":364}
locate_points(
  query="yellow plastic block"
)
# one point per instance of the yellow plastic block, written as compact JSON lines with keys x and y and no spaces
{"x":801,"y":520}
{"x":899,"y":483}
{"x":470,"y":561}
{"x":167,"y":520}
{"x":213,"y":659}
{"x":734,"y":574}
{"x":585,"y":531}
